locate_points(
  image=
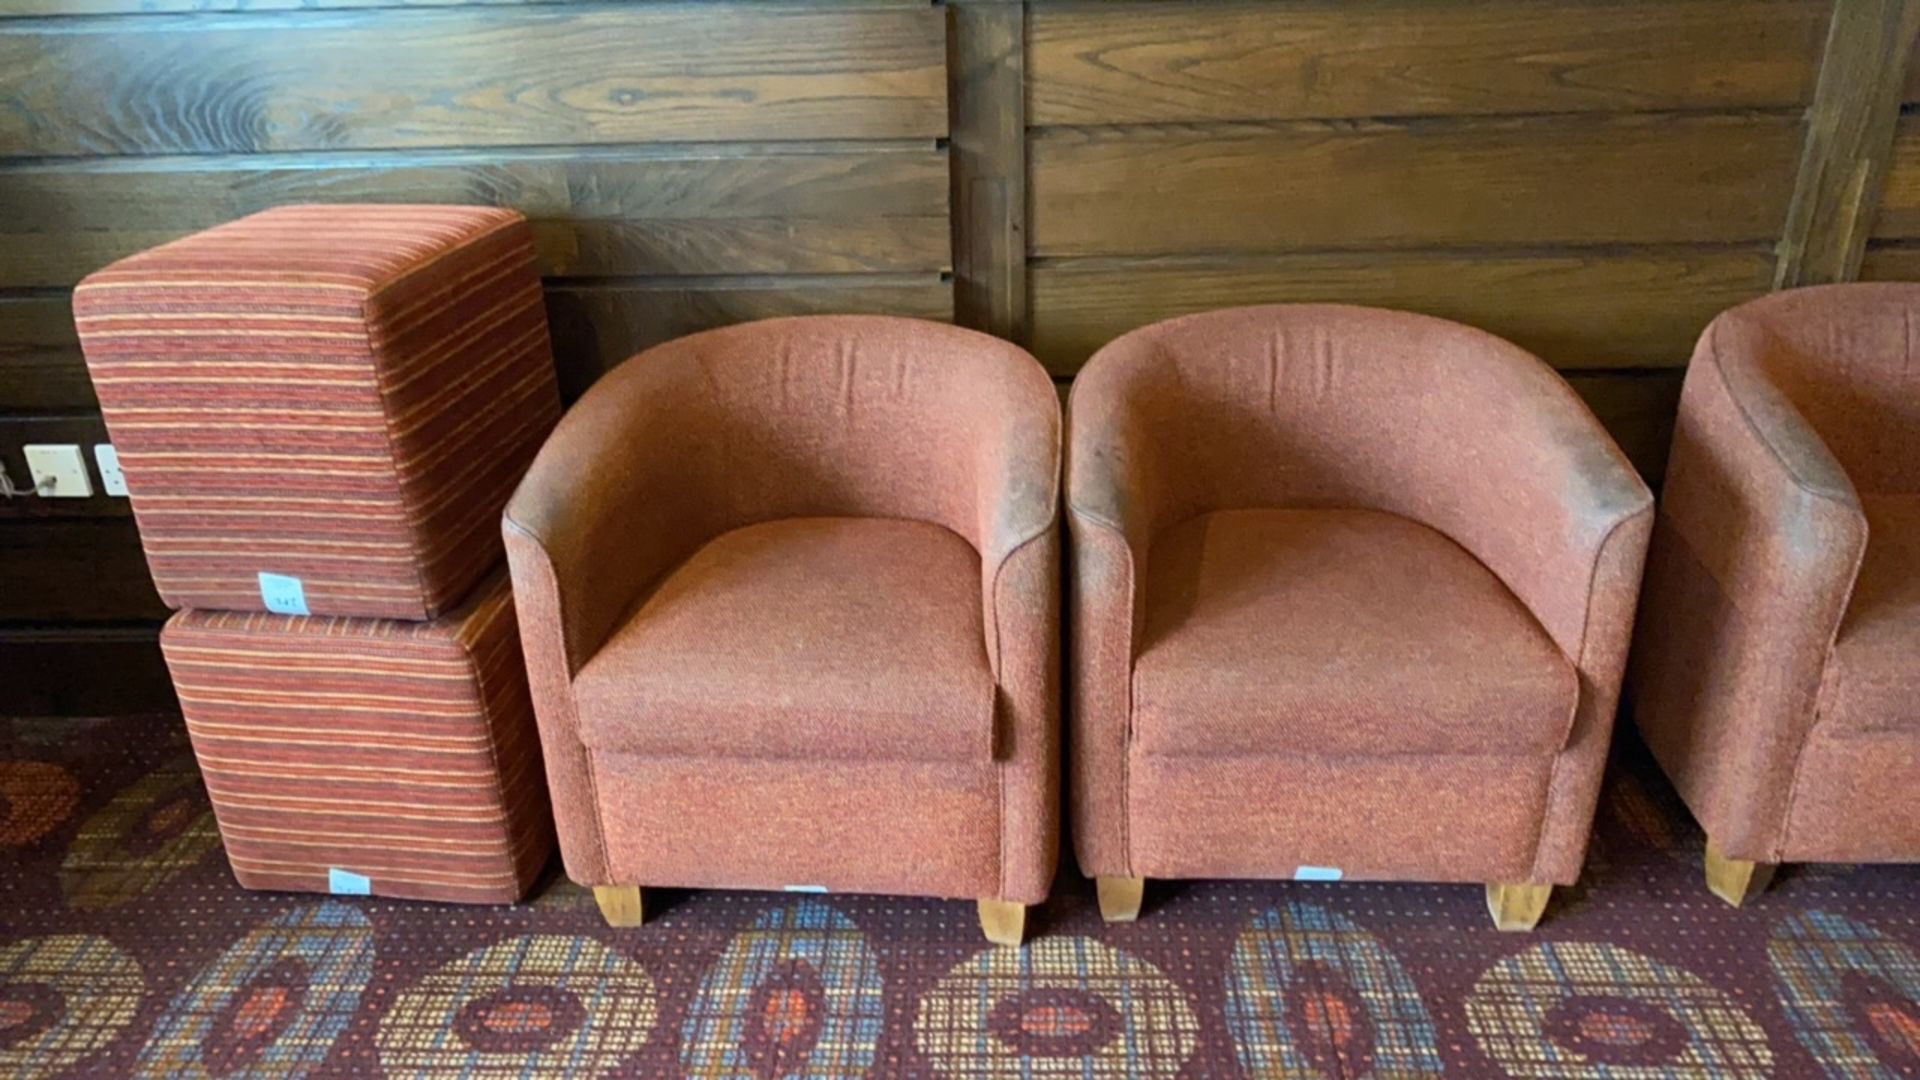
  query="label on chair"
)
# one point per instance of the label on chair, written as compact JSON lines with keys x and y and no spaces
{"x":347,"y":883}
{"x":283,"y":595}
{"x":1318,"y":873}
{"x":805,"y":888}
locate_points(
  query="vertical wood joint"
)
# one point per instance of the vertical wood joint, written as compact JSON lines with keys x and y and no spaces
{"x":986,"y":47}
{"x":1850,"y":128}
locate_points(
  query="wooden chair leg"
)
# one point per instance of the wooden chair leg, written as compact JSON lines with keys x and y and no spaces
{"x":1517,"y":908}
{"x":1003,"y":921}
{"x":1120,"y":897}
{"x":619,"y":904}
{"x":1735,"y":880}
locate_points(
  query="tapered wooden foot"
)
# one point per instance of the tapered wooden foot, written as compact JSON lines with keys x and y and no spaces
{"x":1517,"y":908}
{"x":1120,"y":897}
{"x":1003,"y":921}
{"x":1735,"y":880}
{"x":619,"y":904}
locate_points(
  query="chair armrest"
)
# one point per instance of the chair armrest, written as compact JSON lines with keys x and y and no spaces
{"x":1546,"y":500}
{"x":1017,"y":502}
{"x":615,"y":498}
{"x":1111,"y":517}
{"x":611,"y":503}
{"x":1758,"y":546}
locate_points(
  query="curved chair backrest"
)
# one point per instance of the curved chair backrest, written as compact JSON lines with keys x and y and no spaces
{"x":862,"y":416}
{"x":1329,"y":405}
{"x":1844,"y":356}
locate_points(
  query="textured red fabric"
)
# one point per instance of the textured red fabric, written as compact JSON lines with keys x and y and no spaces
{"x":808,"y":639}
{"x":1267,"y":816}
{"x":1872,"y":678}
{"x":1338,"y":632}
{"x":343,"y":394}
{"x":829,"y":417}
{"x":1304,"y":407}
{"x":401,"y":751}
{"x":1856,"y":798}
{"x":1769,"y":674}
{"x":901,"y":827}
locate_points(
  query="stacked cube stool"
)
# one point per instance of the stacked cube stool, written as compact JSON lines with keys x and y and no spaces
{"x":320,"y":411}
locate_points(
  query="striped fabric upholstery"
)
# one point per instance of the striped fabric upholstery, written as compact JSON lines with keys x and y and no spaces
{"x":342,"y":394}
{"x":403,"y":752}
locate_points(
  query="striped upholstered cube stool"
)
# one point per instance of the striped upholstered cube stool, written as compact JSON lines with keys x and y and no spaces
{"x":368,"y":755}
{"x":322,"y":409}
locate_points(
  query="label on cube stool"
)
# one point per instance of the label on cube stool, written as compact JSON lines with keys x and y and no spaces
{"x":347,"y":883}
{"x":1318,"y":873}
{"x":283,"y":595}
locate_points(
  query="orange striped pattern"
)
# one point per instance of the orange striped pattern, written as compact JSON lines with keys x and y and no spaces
{"x":405,"y":752}
{"x":342,"y":394}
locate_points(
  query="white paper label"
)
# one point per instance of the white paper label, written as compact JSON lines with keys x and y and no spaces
{"x":283,"y":595}
{"x":347,"y":883}
{"x":806,"y":888}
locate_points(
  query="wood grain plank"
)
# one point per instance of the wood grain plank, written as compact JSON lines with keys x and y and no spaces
{"x":989,"y":166}
{"x":1602,"y":309}
{"x":1637,"y":408}
{"x":85,"y":430}
{"x":83,"y":671}
{"x":40,"y":364}
{"x":1138,"y":61}
{"x":1898,"y":216}
{"x":1562,"y":180}
{"x":536,"y":75}
{"x":765,"y":209}
{"x":1849,"y":141}
{"x":596,"y":326}
{"x":75,"y":571}
{"x":1891,"y":262}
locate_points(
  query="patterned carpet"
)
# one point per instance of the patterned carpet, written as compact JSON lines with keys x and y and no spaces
{"x":126,"y":950}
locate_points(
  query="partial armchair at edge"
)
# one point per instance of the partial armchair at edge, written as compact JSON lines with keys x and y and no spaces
{"x":1352,"y":596}
{"x":790,"y":601}
{"x":1776,"y":669}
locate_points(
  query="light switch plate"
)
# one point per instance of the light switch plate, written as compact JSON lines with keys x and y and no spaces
{"x":112,"y":480}
{"x":59,"y":470}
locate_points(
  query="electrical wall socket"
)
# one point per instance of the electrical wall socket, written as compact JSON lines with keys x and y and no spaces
{"x":59,"y":470}
{"x":112,"y":480}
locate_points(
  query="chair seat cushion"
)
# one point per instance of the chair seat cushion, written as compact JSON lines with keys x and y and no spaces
{"x":806,"y":638}
{"x":1339,"y":632}
{"x":1872,"y":682}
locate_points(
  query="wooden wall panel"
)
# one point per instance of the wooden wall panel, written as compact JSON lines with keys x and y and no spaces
{"x":40,"y":366}
{"x":1891,"y":263}
{"x":1637,"y":409}
{"x":472,"y":77}
{"x":84,"y":671}
{"x":597,"y":326}
{"x":1898,"y":216}
{"x":1594,"y":179}
{"x":1140,"y":61}
{"x":685,"y":163}
{"x":1850,"y":132}
{"x":987,"y":49}
{"x":1541,"y":181}
{"x":754,"y":209}
{"x":1576,"y":310}
{"x":76,"y":570}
